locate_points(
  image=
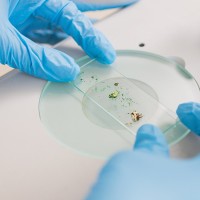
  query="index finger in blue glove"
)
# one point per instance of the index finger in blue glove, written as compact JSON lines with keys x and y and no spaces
{"x":89,"y":5}
{"x":76,"y":24}
{"x":150,"y":139}
{"x":42,"y":62}
{"x":189,"y":114}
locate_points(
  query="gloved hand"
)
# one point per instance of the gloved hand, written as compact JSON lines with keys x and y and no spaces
{"x":20,"y":18}
{"x":189,"y":114}
{"x":147,"y":172}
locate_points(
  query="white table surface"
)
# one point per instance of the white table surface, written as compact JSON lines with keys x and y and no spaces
{"x":32,"y":164}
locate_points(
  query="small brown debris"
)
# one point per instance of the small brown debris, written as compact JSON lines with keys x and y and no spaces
{"x":136,"y":116}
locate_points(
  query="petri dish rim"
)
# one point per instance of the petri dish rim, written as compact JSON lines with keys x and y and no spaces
{"x":144,"y":54}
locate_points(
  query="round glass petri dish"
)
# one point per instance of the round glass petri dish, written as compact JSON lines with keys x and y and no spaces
{"x":87,"y":116}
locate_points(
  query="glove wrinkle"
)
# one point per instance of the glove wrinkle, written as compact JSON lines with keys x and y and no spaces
{"x":35,"y":18}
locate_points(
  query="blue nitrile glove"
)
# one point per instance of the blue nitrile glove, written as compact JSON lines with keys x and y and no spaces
{"x":147,"y":172}
{"x":88,"y":5}
{"x":54,"y":34}
{"x":189,"y":114}
{"x":19,"y":19}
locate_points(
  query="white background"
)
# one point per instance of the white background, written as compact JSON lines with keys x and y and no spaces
{"x":32,"y":164}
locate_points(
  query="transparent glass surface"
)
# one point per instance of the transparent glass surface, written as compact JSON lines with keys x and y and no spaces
{"x":100,"y":112}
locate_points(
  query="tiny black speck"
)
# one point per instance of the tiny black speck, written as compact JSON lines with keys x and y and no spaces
{"x":141,"y":45}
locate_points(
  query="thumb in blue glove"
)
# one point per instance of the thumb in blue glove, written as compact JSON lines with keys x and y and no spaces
{"x":20,"y":52}
{"x":147,"y":172}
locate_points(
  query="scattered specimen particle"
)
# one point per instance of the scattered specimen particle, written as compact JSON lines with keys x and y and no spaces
{"x":93,"y":77}
{"x":129,"y":124}
{"x":116,"y":84}
{"x":114,"y":94}
{"x":136,"y":116}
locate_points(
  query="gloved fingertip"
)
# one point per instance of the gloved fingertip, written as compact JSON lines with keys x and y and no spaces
{"x":73,"y":74}
{"x":185,"y":108}
{"x":92,"y":6}
{"x":56,"y":66}
{"x":100,"y":49}
{"x":108,"y":56}
{"x":189,"y":114}
{"x":150,"y":138}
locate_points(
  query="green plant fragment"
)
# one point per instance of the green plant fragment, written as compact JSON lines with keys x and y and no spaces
{"x":114,"y":94}
{"x":116,"y":84}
